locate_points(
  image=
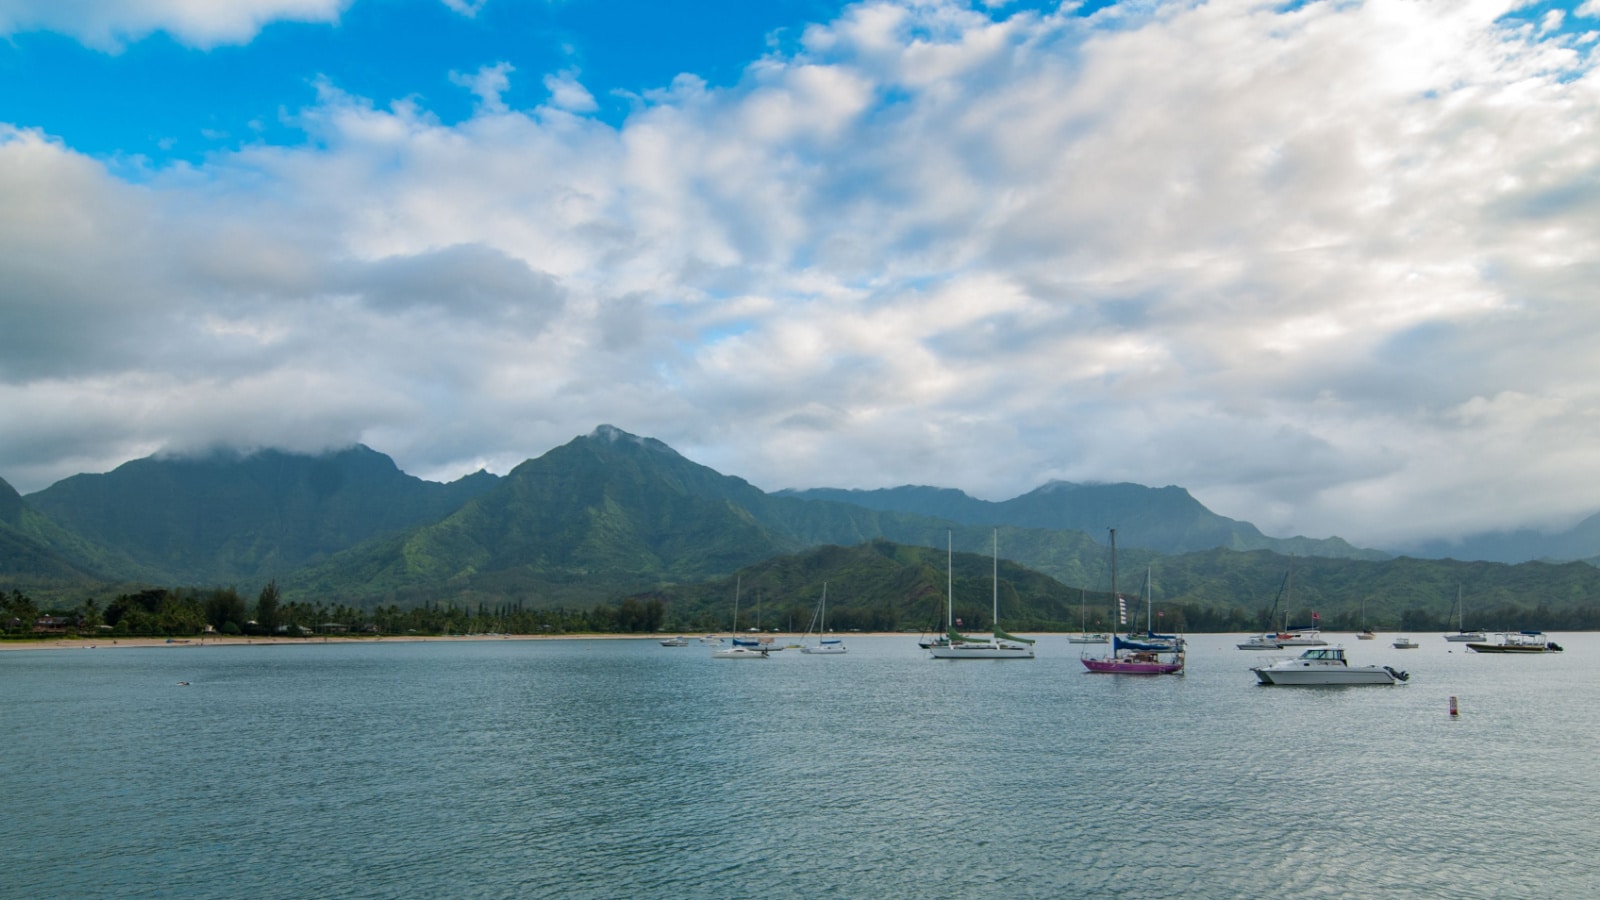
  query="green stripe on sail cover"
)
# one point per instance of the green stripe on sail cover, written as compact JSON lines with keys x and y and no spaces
{"x":957,"y":637}
{"x":1010,"y":637}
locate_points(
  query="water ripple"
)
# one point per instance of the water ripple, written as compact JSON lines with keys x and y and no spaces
{"x":605,"y":769}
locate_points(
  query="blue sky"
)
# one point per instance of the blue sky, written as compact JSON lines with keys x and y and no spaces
{"x":164,"y":99}
{"x":1328,"y":264}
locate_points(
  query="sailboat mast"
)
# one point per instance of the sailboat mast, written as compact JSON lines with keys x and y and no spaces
{"x":1149,"y":604}
{"x":1116,"y":601}
{"x":994,"y":617}
{"x":949,"y":583}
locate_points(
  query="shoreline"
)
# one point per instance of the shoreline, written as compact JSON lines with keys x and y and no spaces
{"x":118,"y":643}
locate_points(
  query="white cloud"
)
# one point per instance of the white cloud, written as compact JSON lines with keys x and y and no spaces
{"x":1327,"y":266}
{"x":487,"y":84}
{"x":112,"y":24}
{"x":468,"y":8}
{"x":567,"y":93}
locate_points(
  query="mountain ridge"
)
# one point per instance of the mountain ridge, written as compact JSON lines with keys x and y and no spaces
{"x":607,"y":514}
{"x":1168,"y":518}
{"x":228,"y":515}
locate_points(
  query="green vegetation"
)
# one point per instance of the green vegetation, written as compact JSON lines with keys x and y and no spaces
{"x":614,"y":532}
{"x":187,"y":612}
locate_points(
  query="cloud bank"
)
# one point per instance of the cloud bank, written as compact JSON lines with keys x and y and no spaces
{"x":112,"y":24}
{"x":1328,"y":265}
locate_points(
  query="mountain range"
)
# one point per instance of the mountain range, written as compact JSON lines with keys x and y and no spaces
{"x":607,"y":515}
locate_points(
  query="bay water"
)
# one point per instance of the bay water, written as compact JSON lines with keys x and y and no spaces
{"x":620,"y":768}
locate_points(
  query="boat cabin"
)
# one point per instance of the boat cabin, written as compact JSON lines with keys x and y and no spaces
{"x":1325,"y":655}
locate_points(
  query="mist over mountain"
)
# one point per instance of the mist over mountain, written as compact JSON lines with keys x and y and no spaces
{"x":1580,"y":542}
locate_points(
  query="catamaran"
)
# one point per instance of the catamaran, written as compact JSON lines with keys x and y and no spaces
{"x":998,"y":645}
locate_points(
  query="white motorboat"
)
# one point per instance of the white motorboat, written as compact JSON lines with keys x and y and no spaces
{"x":739,"y":651}
{"x":679,"y":641}
{"x":1260,"y":642}
{"x":1325,"y":666}
{"x":1518,"y":642}
{"x":1404,"y":643}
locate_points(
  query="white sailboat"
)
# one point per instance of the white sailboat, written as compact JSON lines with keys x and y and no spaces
{"x":826,"y":646}
{"x":998,"y":645}
{"x":1297,"y":635}
{"x":738,"y":649}
{"x":1462,"y":635}
{"x":1084,"y":636}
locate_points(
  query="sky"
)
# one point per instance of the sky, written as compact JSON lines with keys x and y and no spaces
{"x":1331,"y":266}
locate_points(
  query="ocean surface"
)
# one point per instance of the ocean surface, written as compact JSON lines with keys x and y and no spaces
{"x":620,"y":768}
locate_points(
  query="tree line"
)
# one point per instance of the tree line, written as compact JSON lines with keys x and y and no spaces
{"x":192,"y":611}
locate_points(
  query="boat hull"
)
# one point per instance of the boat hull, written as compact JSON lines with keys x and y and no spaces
{"x":1088,"y":639}
{"x":1465,"y":637}
{"x":1513,"y":648}
{"x":1131,"y":667}
{"x":984,"y":651}
{"x":1315,"y":677}
{"x":739,"y":653}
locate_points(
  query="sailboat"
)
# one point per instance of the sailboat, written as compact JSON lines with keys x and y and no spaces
{"x":1462,"y":635}
{"x":1268,"y":640}
{"x":1366,"y":633}
{"x":1083,"y":636}
{"x":1298,"y":635}
{"x":820,"y":619}
{"x":998,"y":645}
{"x":739,"y":649}
{"x":1153,"y":654}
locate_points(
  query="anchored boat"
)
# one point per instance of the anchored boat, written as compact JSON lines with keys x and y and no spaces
{"x":1325,"y":666}
{"x":1518,"y":642}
